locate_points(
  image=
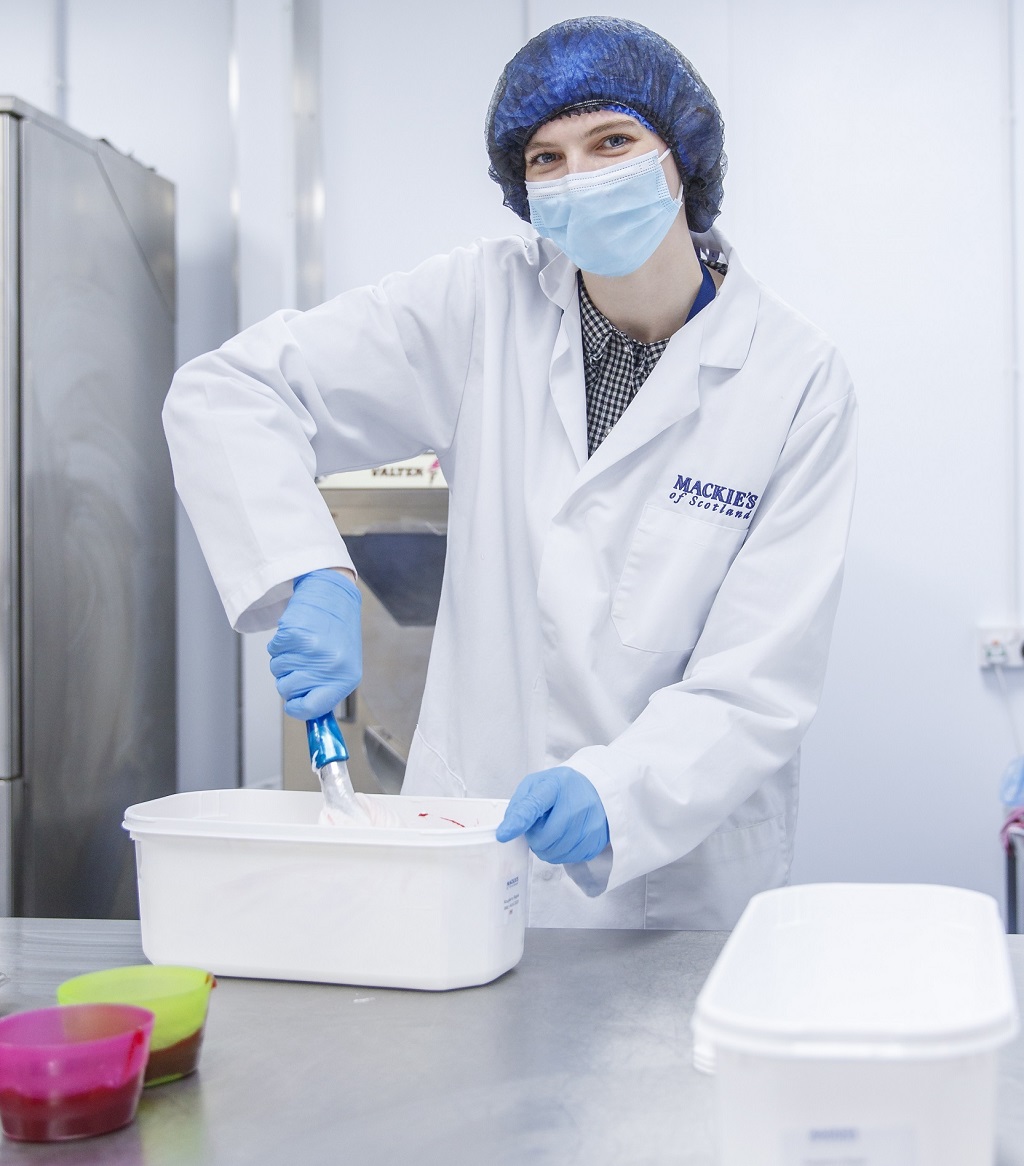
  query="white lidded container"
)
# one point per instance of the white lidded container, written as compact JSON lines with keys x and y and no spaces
{"x":245,"y":882}
{"x":858,"y":1024}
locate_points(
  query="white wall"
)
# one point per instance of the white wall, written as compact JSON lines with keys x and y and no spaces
{"x":869,"y":184}
{"x":404,"y":99}
{"x":873,"y":193}
{"x":28,"y":52}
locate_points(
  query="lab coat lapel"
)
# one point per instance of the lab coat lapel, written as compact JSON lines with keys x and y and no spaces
{"x":729,"y":322}
{"x":565,"y":376}
{"x":669,"y":394}
{"x":718,"y":337}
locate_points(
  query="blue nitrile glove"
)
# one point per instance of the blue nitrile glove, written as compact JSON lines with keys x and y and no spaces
{"x":561,"y":815}
{"x":317,"y":651}
{"x":1011,"y":789}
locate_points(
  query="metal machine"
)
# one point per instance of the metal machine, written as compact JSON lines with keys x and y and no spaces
{"x":87,"y":560}
{"x":395,"y":523}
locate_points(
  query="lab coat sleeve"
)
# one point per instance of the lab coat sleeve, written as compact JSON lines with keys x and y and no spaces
{"x":702,"y":746}
{"x":373,"y":376}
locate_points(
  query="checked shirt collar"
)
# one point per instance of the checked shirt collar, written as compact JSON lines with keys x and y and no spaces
{"x":615,"y":366}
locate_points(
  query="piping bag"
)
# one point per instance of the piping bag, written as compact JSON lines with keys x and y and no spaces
{"x":329,"y":757}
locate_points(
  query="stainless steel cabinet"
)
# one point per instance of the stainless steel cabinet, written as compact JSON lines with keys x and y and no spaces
{"x":87,"y":626}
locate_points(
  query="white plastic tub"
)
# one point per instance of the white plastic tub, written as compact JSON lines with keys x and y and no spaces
{"x":855,"y":1024}
{"x":244,"y":882}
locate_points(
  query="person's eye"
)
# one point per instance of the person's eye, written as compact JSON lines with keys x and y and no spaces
{"x":616,"y":141}
{"x":544,"y":158}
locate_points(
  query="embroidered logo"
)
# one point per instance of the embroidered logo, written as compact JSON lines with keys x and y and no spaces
{"x":709,"y":496}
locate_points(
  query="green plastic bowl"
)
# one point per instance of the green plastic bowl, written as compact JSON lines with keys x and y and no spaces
{"x":177,"y":997}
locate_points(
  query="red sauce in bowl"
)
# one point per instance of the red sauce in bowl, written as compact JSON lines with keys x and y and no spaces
{"x":77,"y":1115}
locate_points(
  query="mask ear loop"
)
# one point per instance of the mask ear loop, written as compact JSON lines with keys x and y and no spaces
{"x":661,"y":158}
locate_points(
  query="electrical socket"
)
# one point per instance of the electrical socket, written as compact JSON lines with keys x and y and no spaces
{"x":1002,"y":646}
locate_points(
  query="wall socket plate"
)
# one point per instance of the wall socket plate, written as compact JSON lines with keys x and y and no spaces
{"x":1001,"y":646}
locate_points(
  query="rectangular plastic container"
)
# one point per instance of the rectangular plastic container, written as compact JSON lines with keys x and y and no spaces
{"x":244,"y":882}
{"x":852,"y":1023}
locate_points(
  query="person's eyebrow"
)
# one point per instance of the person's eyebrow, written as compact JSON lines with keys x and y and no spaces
{"x":617,"y":123}
{"x":603,"y":128}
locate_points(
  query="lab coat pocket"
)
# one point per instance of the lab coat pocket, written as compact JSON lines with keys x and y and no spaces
{"x":708,"y":889}
{"x":673,"y":569}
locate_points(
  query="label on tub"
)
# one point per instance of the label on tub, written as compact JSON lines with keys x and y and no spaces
{"x":849,"y":1146}
{"x":510,"y":903}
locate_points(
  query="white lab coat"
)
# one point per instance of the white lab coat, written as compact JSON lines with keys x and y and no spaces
{"x":615,"y":614}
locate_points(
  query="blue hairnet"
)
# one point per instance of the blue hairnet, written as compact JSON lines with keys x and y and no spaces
{"x":602,"y":63}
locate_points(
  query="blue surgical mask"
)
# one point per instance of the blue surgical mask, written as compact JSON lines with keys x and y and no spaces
{"x":608,"y":221}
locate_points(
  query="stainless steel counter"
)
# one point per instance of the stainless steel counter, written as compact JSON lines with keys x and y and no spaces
{"x":581,"y":1055}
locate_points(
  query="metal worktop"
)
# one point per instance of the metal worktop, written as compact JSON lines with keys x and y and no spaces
{"x":580,"y":1055}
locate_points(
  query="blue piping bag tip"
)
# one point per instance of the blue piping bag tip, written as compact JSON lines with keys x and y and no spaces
{"x":326,"y":744}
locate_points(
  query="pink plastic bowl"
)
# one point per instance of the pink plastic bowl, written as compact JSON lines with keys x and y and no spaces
{"x":71,"y":1072}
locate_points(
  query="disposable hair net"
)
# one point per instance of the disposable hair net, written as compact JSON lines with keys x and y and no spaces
{"x":604,"y":63}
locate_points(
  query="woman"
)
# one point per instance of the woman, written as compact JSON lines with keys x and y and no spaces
{"x":650,"y":461}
